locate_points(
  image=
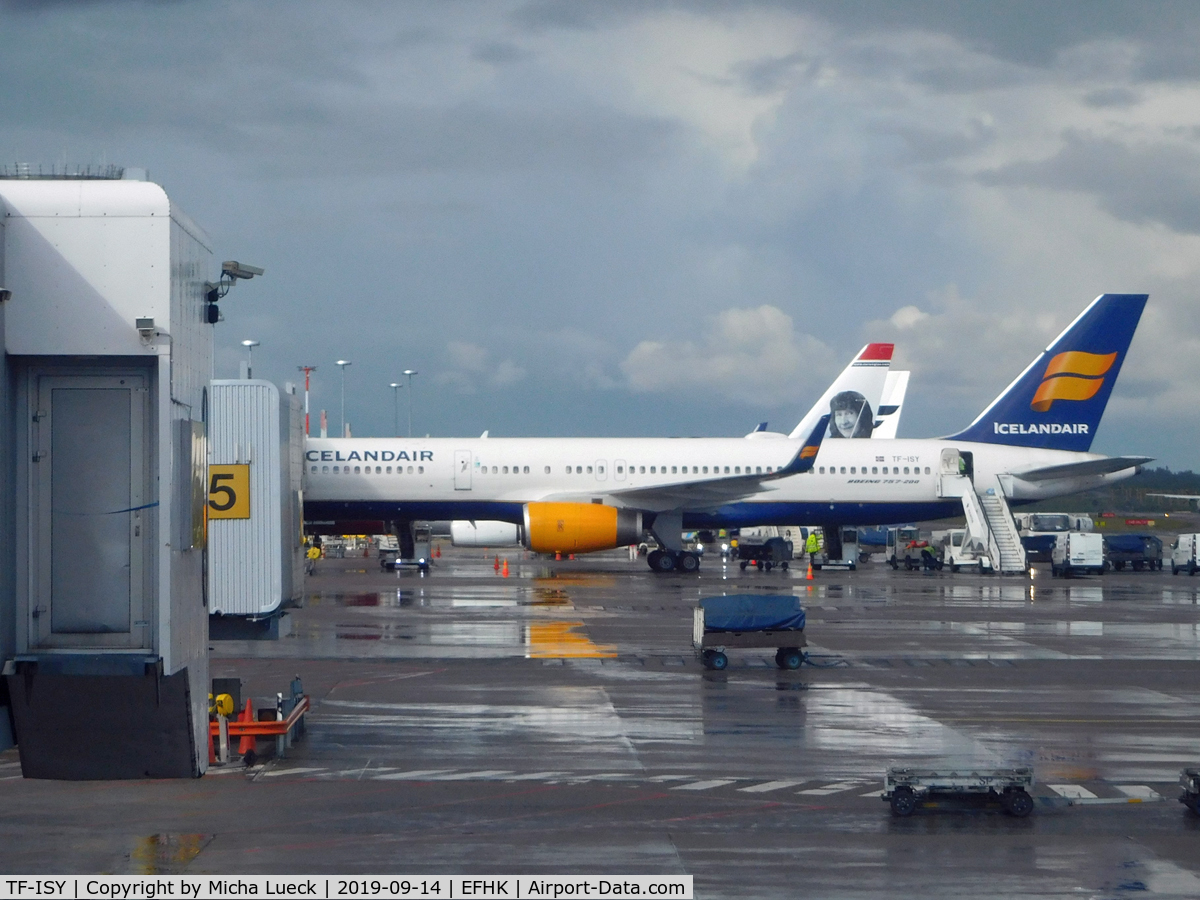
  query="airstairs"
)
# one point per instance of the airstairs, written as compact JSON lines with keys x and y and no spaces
{"x":989,"y":519}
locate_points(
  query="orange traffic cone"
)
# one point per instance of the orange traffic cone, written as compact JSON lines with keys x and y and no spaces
{"x":557,"y":555}
{"x":809,"y":575}
{"x":437,"y":551}
{"x":504,"y":571}
{"x":572,"y":556}
{"x":496,"y":564}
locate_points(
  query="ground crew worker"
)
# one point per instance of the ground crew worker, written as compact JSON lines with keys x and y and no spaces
{"x":811,"y":545}
{"x":313,"y":554}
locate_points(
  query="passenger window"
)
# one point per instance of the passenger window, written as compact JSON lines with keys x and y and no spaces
{"x":579,"y":470}
{"x":379,"y":470}
{"x":600,"y":469}
{"x":906,"y":470}
{"x":345,"y":470}
{"x":336,"y":470}
{"x":843,"y":470}
{"x":706,"y":470}
{"x":653,"y":469}
{"x":620,"y":470}
{"x":642,"y":470}
{"x":770,"y":470}
{"x":674,"y":470}
{"x":927,"y":470}
{"x":822,"y":470}
{"x":852,"y":470}
{"x":526,"y":471}
{"x":737,"y":470}
{"x":727,"y":470}
{"x":356,"y":470}
{"x":874,"y":470}
{"x":410,"y":469}
{"x":314,"y":470}
{"x":324,"y":470}
{"x":758,"y":470}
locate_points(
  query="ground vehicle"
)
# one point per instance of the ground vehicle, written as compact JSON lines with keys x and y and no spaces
{"x":905,"y":788}
{"x":765,"y":554}
{"x":1189,"y":780}
{"x":1077,"y":553}
{"x":907,"y":548}
{"x":1184,"y":554}
{"x":1138,"y":551}
{"x":749,"y":620}
{"x":959,"y":551}
{"x":422,"y":538}
{"x":1040,"y":530}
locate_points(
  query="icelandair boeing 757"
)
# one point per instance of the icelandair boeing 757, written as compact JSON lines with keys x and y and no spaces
{"x":582,"y":494}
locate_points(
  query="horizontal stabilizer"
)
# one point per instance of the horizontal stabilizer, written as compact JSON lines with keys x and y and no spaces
{"x":1086,"y":468}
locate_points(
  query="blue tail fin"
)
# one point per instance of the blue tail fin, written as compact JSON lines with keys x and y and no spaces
{"x":1057,"y":402}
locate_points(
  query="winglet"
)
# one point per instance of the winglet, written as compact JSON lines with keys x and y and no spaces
{"x":807,"y":454}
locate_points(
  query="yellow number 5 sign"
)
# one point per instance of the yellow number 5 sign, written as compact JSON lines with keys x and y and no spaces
{"x":229,"y":492}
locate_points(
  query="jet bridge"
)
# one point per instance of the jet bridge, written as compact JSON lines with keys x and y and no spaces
{"x":990,"y":521}
{"x":108,"y":342}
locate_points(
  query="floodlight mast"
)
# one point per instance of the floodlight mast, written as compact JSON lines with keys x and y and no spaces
{"x":307,"y":370}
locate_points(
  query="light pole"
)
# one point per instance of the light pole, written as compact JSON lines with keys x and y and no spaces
{"x":250,"y":345}
{"x":307,"y":370}
{"x":342,"y":363}
{"x":410,"y":373}
{"x":395,"y":407}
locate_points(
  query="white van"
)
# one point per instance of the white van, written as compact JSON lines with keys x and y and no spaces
{"x":1077,"y":553}
{"x":1184,"y":553}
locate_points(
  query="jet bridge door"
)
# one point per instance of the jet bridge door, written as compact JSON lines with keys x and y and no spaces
{"x":91,"y":512}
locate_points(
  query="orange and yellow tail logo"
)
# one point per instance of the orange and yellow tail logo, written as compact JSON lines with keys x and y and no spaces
{"x":1073,"y":375}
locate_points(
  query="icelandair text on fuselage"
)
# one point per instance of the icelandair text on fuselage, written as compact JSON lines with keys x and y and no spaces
{"x":369,"y":456}
{"x":118,"y":887}
{"x":1046,"y":428}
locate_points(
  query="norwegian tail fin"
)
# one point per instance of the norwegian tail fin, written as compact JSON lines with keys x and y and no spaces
{"x":858,"y":388}
{"x":1057,"y":402}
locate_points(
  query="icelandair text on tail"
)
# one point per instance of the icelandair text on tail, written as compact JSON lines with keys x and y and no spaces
{"x":436,"y":887}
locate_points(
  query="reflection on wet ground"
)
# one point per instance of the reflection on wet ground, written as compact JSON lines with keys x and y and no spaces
{"x":557,"y":720}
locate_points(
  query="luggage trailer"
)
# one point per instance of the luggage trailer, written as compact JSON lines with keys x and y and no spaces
{"x":905,"y":789}
{"x":745,"y":620}
{"x":1189,"y":782}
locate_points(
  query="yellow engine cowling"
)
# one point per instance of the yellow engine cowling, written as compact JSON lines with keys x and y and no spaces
{"x":579,"y":527}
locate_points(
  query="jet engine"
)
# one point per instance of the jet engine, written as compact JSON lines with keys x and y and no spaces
{"x":579,"y":527}
{"x":465,"y":533}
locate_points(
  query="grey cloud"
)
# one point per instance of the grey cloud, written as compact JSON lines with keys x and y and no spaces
{"x":1137,"y":184}
{"x":1112,"y":97}
{"x":499,"y":54}
{"x":772,"y":73}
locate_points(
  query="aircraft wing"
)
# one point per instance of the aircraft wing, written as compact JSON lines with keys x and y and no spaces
{"x":1086,"y":467}
{"x":1176,"y":496}
{"x":702,"y":493}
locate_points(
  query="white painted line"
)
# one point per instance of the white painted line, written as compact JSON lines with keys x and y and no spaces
{"x":831,"y":788}
{"x":467,"y":776}
{"x":662,"y":778}
{"x":1072,"y":791}
{"x":771,"y":786}
{"x":413,"y":775}
{"x":1138,"y":791}
{"x":874,"y":793}
{"x":537,"y":776}
{"x":704,"y":785}
{"x":299,"y":770}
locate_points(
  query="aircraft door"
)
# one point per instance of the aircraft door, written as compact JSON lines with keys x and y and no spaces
{"x":462,"y":470}
{"x":92,"y":514}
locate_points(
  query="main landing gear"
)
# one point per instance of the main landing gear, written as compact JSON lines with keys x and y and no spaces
{"x":670,"y":561}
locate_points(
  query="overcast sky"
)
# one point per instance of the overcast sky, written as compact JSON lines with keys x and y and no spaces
{"x":654,"y":218}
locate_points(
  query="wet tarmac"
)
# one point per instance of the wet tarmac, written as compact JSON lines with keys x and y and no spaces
{"x":557,"y":721}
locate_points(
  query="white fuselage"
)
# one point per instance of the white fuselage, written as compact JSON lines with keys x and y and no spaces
{"x":852,"y":481}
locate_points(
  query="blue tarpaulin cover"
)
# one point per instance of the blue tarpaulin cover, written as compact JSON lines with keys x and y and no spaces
{"x":1129,"y":543}
{"x":752,"y":612}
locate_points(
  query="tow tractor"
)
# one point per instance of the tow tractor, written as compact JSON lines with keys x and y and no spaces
{"x":905,"y":788}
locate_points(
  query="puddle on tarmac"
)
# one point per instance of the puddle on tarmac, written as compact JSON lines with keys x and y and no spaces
{"x":165,"y":854}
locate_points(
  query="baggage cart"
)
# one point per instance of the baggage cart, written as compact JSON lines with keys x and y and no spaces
{"x":1189,"y":781}
{"x":751,"y":621}
{"x":906,"y":788}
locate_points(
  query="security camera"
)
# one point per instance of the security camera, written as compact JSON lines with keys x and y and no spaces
{"x":145,"y":327}
{"x":235,"y":270}
{"x":5,"y":295}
